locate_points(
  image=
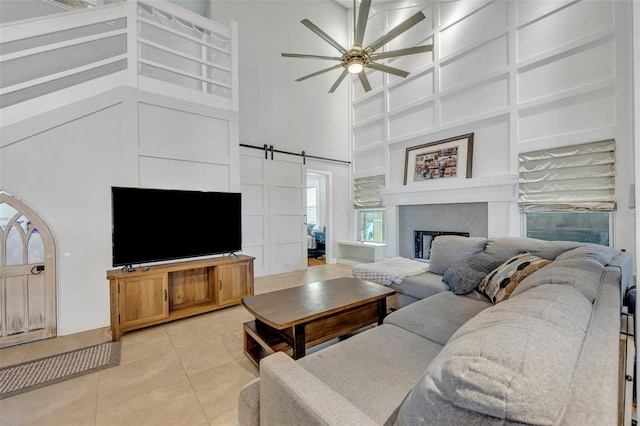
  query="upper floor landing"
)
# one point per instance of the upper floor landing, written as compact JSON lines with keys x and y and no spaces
{"x":51,"y":61}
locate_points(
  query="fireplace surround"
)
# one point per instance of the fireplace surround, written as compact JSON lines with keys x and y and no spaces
{"x":481,"y":206}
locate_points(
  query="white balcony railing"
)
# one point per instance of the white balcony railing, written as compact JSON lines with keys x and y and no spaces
{"x":152,"y":45}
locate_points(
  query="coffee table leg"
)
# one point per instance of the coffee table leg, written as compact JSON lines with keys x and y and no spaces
{"x":299,"y":341}
{"x":382,"y":310}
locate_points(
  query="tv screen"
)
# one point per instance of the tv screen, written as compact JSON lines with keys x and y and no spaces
{"x":153,"y":225}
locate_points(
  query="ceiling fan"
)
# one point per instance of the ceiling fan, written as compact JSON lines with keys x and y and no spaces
{"x":354,"y":61}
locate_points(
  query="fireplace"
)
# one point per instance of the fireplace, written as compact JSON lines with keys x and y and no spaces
{"x":422,"y":242}
{"x":479,"y":206}
{"x":469,"y":219}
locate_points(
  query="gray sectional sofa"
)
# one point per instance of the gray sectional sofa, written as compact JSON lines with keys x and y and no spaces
{"x":547,"y":354}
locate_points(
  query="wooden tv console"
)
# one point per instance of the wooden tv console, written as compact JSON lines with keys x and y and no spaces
{"x":162,"y":293}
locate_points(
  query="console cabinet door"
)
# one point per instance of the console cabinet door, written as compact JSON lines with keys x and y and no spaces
{"x":142,"y":299}
{"x":232,"y":282}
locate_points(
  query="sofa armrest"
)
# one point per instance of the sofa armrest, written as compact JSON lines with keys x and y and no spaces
{"x":624,"y":262}
{"x":291,"y":395}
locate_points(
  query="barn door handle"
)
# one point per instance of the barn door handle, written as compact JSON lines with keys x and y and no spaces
{"x":165,"y":294}
{"x":220,"y":288}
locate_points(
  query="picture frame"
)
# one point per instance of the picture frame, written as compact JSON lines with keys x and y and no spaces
{"x":448,"y":159}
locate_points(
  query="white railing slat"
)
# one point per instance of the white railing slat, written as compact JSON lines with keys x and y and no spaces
{"x":184,"y":55}
{"x":187,"y":15}
{"x":184,"y":73}
{"x":61,"y":44}
{"x":34,"y":27}
{"x":61,"y":74}
{"x":183,"y":35}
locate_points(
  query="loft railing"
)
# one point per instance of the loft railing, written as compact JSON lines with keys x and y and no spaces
{"x":156,"y":46}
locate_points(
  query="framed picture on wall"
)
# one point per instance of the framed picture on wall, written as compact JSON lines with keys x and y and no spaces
{"x":446,"y":159}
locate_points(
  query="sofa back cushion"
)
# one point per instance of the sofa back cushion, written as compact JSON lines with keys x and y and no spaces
{"x":582,"y":274}
{"x":505,"y":247}
{"x":603,"y":254}
{"x":449,"y":249}
{"x":514,"y":361}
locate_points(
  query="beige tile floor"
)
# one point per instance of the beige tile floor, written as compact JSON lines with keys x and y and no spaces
{"x":187,"y":372}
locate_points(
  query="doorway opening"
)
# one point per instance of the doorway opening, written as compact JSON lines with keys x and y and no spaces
{"x":317,"y":219}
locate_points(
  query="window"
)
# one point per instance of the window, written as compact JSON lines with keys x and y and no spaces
{"x":371,"y":225}
{"x":312,"y":205}
{"x":568,"y":193}
{"x":587,"y":227}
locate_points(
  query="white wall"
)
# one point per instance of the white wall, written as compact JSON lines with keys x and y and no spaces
{"x":64,"y":163}
{"x":274,"y":108}
{"x":521,"y":75}
{"x":292,"y":116}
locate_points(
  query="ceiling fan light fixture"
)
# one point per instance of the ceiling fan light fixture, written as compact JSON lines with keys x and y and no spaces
{"x":355,"y":67}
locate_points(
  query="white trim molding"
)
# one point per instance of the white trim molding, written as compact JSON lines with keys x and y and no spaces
{"x":473,"y":190}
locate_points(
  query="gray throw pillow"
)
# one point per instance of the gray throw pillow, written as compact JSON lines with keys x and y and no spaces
{"x":449,"y":249}
{"x":464,"y":276}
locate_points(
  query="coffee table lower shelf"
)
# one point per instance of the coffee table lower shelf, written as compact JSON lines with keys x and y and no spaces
{"x":261,"y":340}
{"x":258,"y":345}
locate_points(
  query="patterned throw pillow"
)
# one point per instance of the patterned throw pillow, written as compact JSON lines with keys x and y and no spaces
{"x":501,"y":282}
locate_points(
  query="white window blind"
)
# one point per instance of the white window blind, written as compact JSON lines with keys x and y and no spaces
{"x":571,"y":178}
{"x":366,"y":191}
{"x":312,"y":205}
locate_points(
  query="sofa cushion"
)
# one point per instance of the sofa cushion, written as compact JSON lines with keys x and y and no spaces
{"x":359,"y":368}
{"x":503,"y":280}
{"x":421,"y":285}
{"x":505,"y":247}
{"x":437,"y":317}
{"x":602,"y":254}
{"x":464,"y":276}
{"x":449,"y":249}
{"x":514,"y":361}
{"x":582,"y":273}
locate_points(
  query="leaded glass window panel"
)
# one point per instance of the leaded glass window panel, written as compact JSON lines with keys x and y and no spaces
{"x":35,"y":248}
{"x":14,"y":248}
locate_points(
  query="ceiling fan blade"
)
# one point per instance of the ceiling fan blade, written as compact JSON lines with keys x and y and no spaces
{"x":395,"y":32}
{"x":338,"y":81}
{"x":385,"y":68}
{"x":335,"y":67}
{"x":401,"y":52}
{"x":307,"y":23}
{"x":363,"y":16}
{"x":365,"y":81}
{"x":299,"y":55}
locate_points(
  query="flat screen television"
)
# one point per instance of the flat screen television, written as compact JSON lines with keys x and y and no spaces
{"x":154,"y":225}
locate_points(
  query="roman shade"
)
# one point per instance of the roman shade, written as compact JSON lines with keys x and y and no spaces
{"x":568,"y":179}
{"x":366,"y":191}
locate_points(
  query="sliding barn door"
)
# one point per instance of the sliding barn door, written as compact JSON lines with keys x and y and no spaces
{"x":274,"y":209}
{"x":27,"y":275}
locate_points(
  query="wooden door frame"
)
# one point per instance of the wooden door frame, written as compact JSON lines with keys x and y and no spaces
{"x":48,"y":240}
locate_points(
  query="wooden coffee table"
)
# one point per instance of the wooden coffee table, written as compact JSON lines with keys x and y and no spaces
{"x":298,"y":318}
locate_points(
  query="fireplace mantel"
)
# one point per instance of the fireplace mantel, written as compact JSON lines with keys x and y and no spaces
{"x":498,"y":192}
{"x":491,"y":189}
